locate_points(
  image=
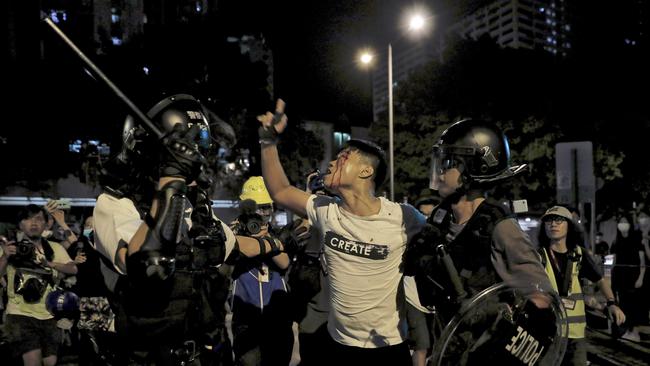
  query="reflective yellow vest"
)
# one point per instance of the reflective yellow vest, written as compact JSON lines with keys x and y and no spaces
{"x":574,"y":302}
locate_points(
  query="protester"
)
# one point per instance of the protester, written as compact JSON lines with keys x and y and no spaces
{"x":363,"y":238}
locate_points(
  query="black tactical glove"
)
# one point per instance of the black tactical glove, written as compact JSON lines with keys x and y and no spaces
{"x":180,"y":155}
{"x":294,"y":237}
{"x":268,"y":135}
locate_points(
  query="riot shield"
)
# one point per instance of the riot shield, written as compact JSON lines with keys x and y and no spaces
{"x":501,"y":326}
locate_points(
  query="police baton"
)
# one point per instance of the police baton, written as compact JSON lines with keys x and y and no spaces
{"x":451,"y":270}
{"x":97,"y":72}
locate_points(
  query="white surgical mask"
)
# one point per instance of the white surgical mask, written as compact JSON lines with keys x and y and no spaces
{"x":623,"y":227}
{"x":87,"y":232}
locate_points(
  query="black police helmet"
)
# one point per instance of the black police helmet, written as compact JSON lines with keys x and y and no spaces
{"x":479,"y":149}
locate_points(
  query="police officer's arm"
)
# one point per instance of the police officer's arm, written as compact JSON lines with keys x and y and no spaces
{"x":518,"y":264}
{"x":282,"y":192}
{"x":250,"y":247}
{"x":281,"y":260}
{"x":139,"y":237}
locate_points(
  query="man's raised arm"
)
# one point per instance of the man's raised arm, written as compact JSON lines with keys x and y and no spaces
{"x":282,"y":192}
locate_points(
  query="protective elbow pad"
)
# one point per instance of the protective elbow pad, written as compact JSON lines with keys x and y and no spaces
{"x":156,"y":258}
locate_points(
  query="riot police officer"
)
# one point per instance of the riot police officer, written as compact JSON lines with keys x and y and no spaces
{"x":162,"y":262}
{"x":470,"y":243}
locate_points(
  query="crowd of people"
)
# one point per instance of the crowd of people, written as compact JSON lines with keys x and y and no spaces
{"x":149,"y":277}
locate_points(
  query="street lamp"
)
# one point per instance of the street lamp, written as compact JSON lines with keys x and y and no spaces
{"x":417,"y":22}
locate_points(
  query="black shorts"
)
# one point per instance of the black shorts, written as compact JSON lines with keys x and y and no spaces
{"x":27,"y":334}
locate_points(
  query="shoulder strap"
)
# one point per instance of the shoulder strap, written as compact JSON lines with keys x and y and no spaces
{"x":542,"y":254}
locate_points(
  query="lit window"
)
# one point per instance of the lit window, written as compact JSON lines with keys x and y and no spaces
{"x":541,"y":10}
{"x":58,"y":16}
{"x":116,"y":41}
{"x":146,"y":70}
{"x":115,"y":18}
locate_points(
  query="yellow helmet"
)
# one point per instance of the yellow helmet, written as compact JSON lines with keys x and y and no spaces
{"x":254,"y":189}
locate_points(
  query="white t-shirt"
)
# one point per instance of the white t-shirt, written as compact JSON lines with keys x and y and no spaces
{"x":412,"y":296}
{"x":364,"y":256}
{"x":117,"y":219}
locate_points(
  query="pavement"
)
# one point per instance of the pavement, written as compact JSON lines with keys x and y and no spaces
{"x":605,"y":350}
{"x":602,"y":348}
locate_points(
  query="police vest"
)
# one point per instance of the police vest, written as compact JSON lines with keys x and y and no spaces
{"x":470,"y":251}
{"x":574,"y":301}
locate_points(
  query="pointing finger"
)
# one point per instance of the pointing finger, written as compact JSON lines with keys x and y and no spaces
{"x":279,"y":106}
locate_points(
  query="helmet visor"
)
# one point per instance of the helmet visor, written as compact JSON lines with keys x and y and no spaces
{"x":446,"y":157}
{"x":203,"y":137}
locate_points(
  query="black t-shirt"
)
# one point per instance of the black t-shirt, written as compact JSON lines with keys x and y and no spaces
{"x":588,"y":268}
{"x":626,"y":268}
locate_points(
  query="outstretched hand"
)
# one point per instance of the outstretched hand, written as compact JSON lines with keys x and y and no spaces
{"x":52,"y":207}
{"x":273,"y":124}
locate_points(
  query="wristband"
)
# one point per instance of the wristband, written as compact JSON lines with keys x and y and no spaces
{"x":268,"y":136}
{"x":274,"y":246}
{"x":260,"y":241}
{"x":611,"y":302}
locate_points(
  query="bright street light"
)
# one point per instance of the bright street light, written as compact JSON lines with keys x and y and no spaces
{"x":417,"y":24}
{"x":366,"y":58}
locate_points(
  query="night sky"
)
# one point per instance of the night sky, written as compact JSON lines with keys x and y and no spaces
{"x":314,"y":44}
